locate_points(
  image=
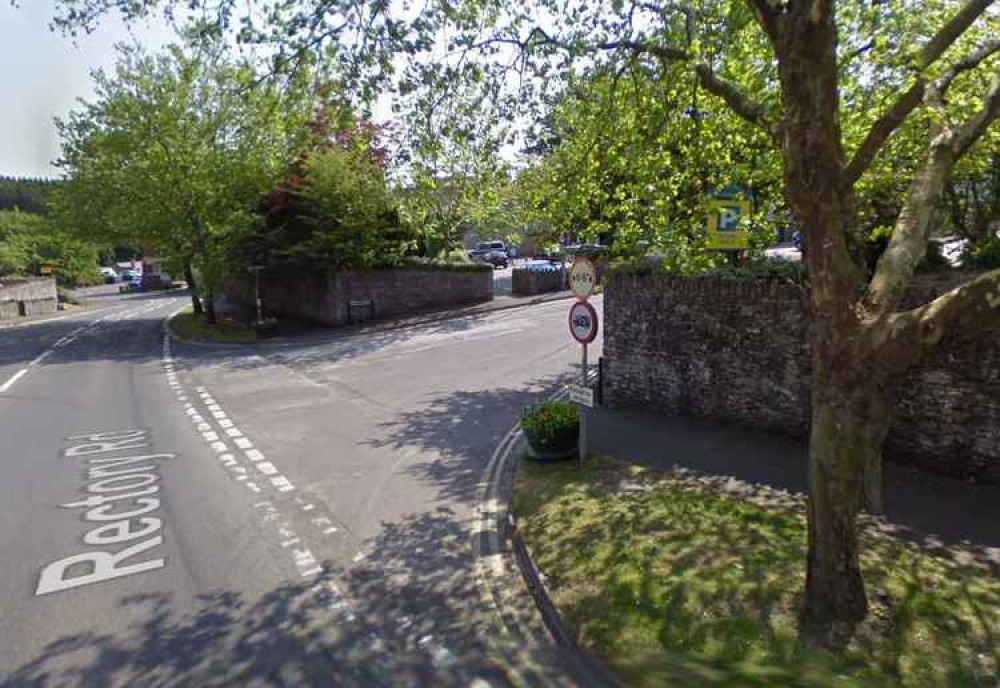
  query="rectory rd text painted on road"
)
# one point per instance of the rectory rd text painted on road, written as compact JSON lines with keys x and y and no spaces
{"x":122,"y":491}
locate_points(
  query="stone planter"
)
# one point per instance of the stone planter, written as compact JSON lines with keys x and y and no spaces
{"x":562,"y":444}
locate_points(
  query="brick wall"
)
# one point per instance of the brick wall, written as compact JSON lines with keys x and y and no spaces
{"x":27,"y":296}
{"x":323,"y":297}
{"x":739,"y":352}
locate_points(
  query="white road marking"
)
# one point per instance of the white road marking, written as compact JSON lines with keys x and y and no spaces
{"x":218,"y":447}
{"x":254,"y":454}
{"x":210,"y":436}
{"x":226,"y":423}
{"x":243,"y":443}
{"x":282,"y":483}
{"x":234,"y":432}
{"x":14,"y":378}
{"x":267,"y":468}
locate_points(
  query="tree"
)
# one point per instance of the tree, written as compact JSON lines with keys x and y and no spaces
{"x":629,"y":158}
{"x":334,"y":209}
{"x":175,"y":154}
{"x":28,"y":240}
{"x":787,"y":67}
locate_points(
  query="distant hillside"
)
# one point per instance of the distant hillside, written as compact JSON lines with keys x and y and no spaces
{"x":29,"y":195}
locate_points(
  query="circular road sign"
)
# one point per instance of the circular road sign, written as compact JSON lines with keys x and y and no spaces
{"x":582,"y":277}
{"x":583,"y":322}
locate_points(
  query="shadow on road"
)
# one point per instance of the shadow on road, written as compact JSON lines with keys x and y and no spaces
{"x":461,"y":429}
{"x":402,"y":617}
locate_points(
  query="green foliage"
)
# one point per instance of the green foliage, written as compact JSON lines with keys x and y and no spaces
{"x":26,"y":195}
{"x":175,"y":152}
{"x":446,"y":264}
{"x":785,"y":271}
{"x":547,"y":418}
{"x":984,"y":255}
{"x":27,"y":241}
{"x":352,"y":216}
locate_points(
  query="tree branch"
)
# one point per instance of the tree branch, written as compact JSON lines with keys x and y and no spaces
{"x":909,"y":238}
{"x":737,"y":100}
{"x":972,"y":310}
{"x":891,"y":120}
{"x":949,"y":33}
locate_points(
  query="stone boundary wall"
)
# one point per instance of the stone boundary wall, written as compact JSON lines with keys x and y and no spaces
{"x":529,"y":282}
{"x":739,"y":352}
{"x":22,"y":296}
{"x":324,"y":297}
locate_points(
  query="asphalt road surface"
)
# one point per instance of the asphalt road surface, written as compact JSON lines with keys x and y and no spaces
{"x":293,"y":514}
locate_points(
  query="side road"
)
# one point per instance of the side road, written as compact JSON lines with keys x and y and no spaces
{"x":387,"y":435}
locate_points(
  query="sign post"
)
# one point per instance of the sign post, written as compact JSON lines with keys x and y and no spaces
{"x":255,"y":269}
{"x":583,"y":327}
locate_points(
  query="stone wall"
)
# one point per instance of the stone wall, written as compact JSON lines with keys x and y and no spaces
{"x":739,"y":352}
{"x":529,"y":282}
{"x":325,"y":297}
{"x":21,"y":296}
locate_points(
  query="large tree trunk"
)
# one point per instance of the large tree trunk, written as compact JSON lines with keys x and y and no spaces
{"x":849,"y":419}
{"x":843,"y":429}
{"x":193,"y":287}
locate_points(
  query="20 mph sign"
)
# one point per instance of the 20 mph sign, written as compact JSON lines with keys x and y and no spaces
{"x":582,"y":278}
{"x":583,"y":322}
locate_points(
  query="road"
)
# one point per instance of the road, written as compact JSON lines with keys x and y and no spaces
{"x":292,"y":514}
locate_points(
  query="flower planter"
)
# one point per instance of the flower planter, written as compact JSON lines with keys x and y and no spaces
{"x":563,"y":444}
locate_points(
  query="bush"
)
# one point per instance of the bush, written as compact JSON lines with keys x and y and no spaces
{"x":785,"y":271}
{"x":547,"y":419}
{"x":983,"y":256}
{"x":466,"y":265}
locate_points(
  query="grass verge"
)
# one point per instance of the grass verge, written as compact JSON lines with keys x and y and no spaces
{"x":684,"y":580}
{"x":190,"y":326}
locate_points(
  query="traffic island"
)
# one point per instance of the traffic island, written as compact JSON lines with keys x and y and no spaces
{"x":193,"y":328}
{"x":685,"y":579}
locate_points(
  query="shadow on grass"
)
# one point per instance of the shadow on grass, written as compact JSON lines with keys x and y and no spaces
{"x":661,"y":574}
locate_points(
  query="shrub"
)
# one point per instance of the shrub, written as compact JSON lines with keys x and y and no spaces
{"x":786,"y":271}
{"x":544,"y":420}
{"x":415,"y":262}
{"x":984,"y":255}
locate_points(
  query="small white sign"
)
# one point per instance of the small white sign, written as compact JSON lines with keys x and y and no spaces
{"x":582,"y":278}
{"x":584,"y":396}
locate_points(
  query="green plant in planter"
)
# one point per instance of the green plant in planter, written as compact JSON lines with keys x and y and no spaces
{"x":551,"y":430}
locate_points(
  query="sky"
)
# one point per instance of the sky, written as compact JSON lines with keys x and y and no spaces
{"x":44,"y":73}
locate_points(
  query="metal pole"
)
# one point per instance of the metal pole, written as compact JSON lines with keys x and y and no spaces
{"x":583,"y":411}
{"x":256,"y":275}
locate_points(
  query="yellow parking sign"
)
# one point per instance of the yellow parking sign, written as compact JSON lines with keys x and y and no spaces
{"x":728,"y":214}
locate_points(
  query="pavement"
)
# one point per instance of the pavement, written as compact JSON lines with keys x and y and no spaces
{"x":934,"y":510}
{"x":299,"y":513}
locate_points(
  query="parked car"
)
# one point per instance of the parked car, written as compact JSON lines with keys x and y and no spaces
{"x":493,"y":252}
{"x":539,"y":266}
{"x":109,"y":275}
